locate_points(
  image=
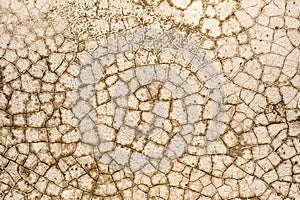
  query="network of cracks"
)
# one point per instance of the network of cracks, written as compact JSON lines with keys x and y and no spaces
{"x":149,"y":99}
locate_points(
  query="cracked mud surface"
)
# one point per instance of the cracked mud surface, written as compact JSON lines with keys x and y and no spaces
{"x":150,"y":99}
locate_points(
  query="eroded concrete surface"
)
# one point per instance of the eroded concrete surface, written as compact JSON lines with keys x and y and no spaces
{"x":150,"y":99}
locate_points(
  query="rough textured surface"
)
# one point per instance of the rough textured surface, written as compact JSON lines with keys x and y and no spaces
{"x":149,"y":99}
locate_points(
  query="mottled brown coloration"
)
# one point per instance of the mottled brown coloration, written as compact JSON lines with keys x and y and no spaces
{"x":254,"y":49}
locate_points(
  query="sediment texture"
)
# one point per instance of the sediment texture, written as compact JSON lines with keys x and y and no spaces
{"x":160,"y":99}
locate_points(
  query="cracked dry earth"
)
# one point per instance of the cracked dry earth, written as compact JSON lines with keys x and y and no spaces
{"x":149,"y":99}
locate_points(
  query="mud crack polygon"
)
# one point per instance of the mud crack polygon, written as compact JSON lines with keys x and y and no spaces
{"x":141,"y":98}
